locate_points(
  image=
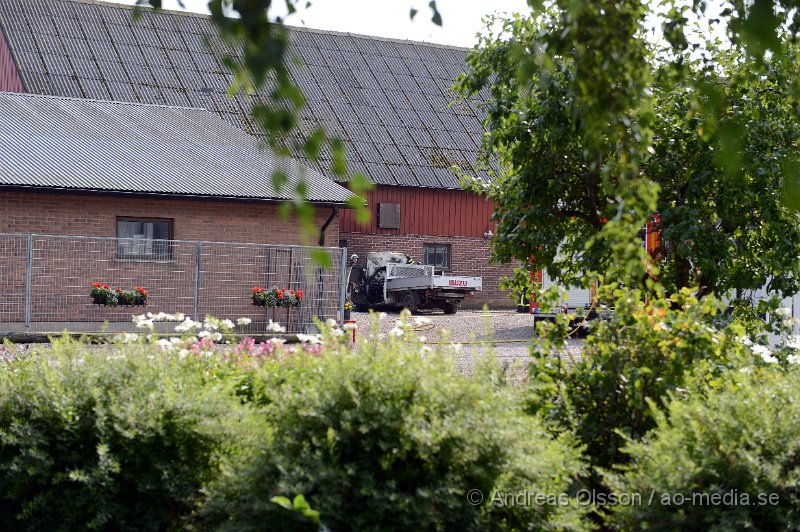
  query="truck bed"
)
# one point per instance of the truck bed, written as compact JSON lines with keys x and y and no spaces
{"x":401,"y":277}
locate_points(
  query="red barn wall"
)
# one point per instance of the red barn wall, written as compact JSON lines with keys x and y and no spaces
{"x":425,"y":211}
{"x":434,"y":216}
{"x":9,"y":77}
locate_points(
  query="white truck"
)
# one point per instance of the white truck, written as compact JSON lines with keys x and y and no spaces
{"x":393,"y":280}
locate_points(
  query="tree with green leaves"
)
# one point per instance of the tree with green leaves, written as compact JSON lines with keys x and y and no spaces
{"x":596,"y":130}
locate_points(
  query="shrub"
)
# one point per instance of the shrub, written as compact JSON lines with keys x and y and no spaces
{"x":394,"y":437}
{"x":740,"y":444}
{"x":647,"y":351}
{"x":112,"y":438}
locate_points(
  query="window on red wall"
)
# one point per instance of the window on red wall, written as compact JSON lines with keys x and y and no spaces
{"x":437,"y":255}
{"x":144,"y":238}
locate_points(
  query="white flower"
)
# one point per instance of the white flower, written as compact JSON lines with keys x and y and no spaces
{"x":747,"y":370}
{"x":308,"y":338}
{"x":338,"y":332}
{"x":744,"y":340}
{"x":164,"y":344}
{"x":663,"y":326}
{"x":183,"y":353}
{"x":420,"y":320}
{"x":144,"y":324}
{"x":277,"y":341}
{"x":349,"y":326}
{"x":330,"y":322}
{"x":210,"y":325}
{"x":381,"y":315}
{"x":204,"y":334}
{"x":129,"y":337}
{"x":186,"y":325}
{"x":216,"y":337}
{"x":397,"y":332}
{"x":275,"y":327}
{"x":790,"y":322}
{"x":793,"y":342}
{"x":764,"y":353}
{"x":179,"y":316}
{"x":228,"y":324}
{"x":244,"y":321}
{"x":783,"y":312}
{"x":793,"y":359}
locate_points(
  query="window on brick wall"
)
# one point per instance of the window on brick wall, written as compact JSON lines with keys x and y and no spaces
{"x":144,"y":238}
{"x":437,"y":255}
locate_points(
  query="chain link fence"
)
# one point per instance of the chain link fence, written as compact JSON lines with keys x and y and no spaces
{"x":45,"y":282}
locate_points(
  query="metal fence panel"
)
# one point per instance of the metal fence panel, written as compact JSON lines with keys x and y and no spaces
{"x":45,"y":282}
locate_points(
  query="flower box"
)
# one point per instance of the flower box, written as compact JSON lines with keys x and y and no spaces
{"x":276,"y":297}
{"x":102,"y":294}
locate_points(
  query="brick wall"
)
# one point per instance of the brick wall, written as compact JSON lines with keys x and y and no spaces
{"x":193,"y":219}
{"x":63,"y":269}
{"x":470,"y":256}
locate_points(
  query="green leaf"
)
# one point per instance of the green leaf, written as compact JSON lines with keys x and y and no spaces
{"x":283,"y":502}
{"x":279,"y":179}
{"x":321,"y":257}
{"x":437,"y":17}
{"x":339,"y":165}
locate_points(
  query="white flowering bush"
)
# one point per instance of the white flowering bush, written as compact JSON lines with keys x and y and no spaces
{"x":785,"y":352}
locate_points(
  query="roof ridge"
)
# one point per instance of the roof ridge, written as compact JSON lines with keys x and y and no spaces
{"x":137,"y":104}
{"x":131,"y":7}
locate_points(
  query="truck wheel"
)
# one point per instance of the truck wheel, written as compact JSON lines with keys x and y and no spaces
{"x":450,"y":308}
{"x":409,"y":301}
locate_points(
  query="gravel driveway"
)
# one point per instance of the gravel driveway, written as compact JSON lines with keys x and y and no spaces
{"x":512,"y":333}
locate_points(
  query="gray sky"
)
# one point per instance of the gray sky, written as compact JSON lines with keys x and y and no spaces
{"x":388,"y":18}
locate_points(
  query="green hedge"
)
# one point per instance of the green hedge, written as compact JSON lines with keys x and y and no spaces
{"x":648,"y":351}
{"x":741,"y":444}
{"x":393,"y":437}
{"x":162,"y":435}
{"x":116,"y":438}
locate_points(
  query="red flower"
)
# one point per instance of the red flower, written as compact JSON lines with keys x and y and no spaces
{"x":105,"y":286}
{"x":299,"y":294}
{"x":280,"y":296}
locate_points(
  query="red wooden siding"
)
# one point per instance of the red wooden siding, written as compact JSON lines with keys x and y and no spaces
{"x":9,"y":76}
{"x":426,"y":212}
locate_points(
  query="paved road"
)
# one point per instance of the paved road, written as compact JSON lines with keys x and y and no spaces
{"x":512,"y":335}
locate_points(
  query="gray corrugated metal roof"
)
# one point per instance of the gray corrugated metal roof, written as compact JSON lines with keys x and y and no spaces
{"x":352,"y":83}
{"x":83,"y":144}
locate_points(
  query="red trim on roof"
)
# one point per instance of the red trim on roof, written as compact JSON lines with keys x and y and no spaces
{"x":9,"y":76}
